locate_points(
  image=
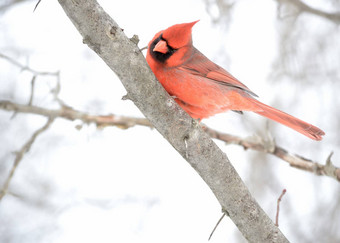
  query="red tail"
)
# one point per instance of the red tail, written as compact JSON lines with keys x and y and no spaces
{"x":298,"y":125}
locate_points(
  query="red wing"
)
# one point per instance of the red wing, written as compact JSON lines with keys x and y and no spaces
{"x":202,"y":66}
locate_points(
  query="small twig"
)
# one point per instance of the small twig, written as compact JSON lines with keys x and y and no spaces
{"x":278,"y":207}
{"x":55,"y":91}
{"x":25,"y":67}
{"x":32,"y":90}
{"x":36,"y":5}
{"x":328,"y":160}
{"x":20,"y":154}
{"x":218,"y":222}
{"x":144,"y":48}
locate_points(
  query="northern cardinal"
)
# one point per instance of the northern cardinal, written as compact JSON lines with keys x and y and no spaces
{"x":201,"y":87}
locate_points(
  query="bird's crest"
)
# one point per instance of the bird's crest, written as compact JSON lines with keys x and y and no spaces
{"x":179,"y":35}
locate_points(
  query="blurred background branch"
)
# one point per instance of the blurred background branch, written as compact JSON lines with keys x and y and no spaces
{"x":7,"y":4}
{"x":220,"y":11}
{"x":20,"y":154}
{"x":302,"y":7}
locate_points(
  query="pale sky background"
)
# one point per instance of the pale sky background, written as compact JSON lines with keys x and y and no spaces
{"x":113,"y":185}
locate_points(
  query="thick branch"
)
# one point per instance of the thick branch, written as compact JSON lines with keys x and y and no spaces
{"x":125,"y":122}
{"x":107,"y":39}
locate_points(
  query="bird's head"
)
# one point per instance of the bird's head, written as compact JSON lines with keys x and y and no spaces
{"x":172,"y":45}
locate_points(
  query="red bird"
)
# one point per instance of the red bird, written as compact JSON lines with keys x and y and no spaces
{"x":201,"y":87}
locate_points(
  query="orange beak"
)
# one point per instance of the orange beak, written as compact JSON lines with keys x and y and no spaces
{"x":161,"y":47}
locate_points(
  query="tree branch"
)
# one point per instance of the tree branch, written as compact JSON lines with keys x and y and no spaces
{"x":278,"y":207}
{"x":20,"y":154}
{"x":124,"y":122}
{"x":303,"y":7}
{"x":106,"y":38}
{"x":25,"y":67}
{"x":9,"y":4}
{"x":295,"y":161}
{"x":69,"y":113}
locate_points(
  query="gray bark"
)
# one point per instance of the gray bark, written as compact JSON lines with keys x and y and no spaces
{"x":102,"y":34}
